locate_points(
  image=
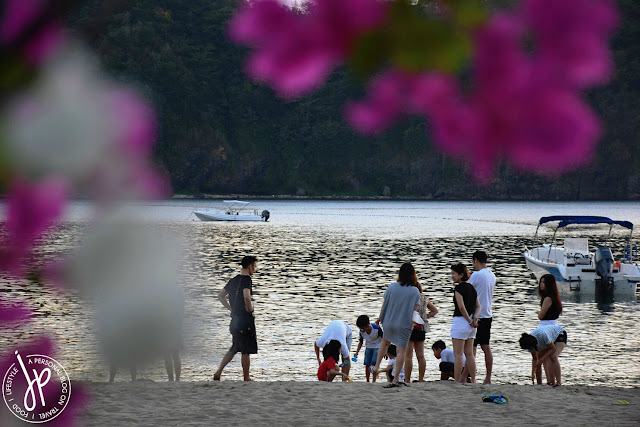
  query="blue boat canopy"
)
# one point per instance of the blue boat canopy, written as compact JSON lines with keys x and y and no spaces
{"x":570,"y":220}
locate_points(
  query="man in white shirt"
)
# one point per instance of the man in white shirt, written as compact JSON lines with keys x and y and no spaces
{"x":340,"y":331}
{"x":484,"y":281}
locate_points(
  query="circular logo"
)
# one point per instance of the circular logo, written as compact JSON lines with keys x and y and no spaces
{"x":36,"y":388}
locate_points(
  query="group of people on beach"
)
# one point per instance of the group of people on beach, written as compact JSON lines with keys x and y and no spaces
{"x":400,"y":329}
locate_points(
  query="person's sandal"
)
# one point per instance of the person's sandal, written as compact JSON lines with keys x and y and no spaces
{"x":391,"y":385}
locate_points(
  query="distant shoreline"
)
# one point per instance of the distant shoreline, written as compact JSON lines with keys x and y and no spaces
{"x":366,"y":198}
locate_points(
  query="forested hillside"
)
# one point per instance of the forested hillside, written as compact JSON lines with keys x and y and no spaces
{"x":220,"y":133}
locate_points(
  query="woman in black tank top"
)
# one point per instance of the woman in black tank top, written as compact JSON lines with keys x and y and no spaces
{"x":550,"y":304}
{"x":550,"y":310}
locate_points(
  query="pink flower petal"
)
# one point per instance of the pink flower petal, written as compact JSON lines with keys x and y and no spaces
{"x":135,"y":121}
{"x":573,"y":36}
{"x":295,"y":52}
{"x":386,"y":101}
{"x":259,"y":22}
{"x":14,"y":313}
{"x":559,"y":134}
{"x":18,"y":14}
{"x":31,"y":210}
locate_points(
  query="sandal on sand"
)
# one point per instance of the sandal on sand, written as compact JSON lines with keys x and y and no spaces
{"x":391,"y":385}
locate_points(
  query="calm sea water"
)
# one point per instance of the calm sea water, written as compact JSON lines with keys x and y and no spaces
{"x":325,"y":260}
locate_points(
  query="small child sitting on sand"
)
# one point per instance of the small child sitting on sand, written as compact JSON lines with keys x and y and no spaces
{"x":371,"y":334}
{"x":440,"y":351}
{"x":329,"y":368}
{"x":390,"y":370}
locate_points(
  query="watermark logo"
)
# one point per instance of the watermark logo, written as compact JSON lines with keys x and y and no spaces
{"x":36,"y":388}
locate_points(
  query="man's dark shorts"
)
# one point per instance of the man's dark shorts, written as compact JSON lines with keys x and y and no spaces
{"x":447,"y":366}
{"x":245,"y":343}
{"x":483,"y":335}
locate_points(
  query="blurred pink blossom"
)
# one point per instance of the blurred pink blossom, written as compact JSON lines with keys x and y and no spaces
{"x":18,"y":14}
{"x":515,"y":109}
{"x":75,"y":123}
{"x":571,"y":37}
{"x":387,"y":96}
{"x":31,"y":209}
{"x":12,"y":313}
{"x":520,"y":112}
{"x":134,"y":119}
{"x":295,"y":52}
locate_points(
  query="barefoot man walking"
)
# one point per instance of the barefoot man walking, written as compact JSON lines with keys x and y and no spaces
{"x":242,"y":326}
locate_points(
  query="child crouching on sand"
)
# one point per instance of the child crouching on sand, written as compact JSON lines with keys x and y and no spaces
{"x":447,"y":359}
{"x":329,"y":368}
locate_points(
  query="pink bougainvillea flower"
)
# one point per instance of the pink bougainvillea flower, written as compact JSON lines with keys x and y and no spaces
{"x":134,"y":120}
{"x":337,"y":24}
{"x":18,"y":14}
{"x":387,"y":96}
{"x":75,"y":123}
{"x":572,"y":37}
{"x":294,"y":51}
{"x":558,"y":133}
{"x":31,"y":209}
{"x":514,"y":109}
{"x":13,"y":313}
{"x":519,"y":112}
{"x":439,"y":97}
{"x":286,"y":56}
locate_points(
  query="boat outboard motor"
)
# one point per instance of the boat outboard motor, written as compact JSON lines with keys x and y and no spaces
{"x":604,"y":269}
{"x":265,"y":215}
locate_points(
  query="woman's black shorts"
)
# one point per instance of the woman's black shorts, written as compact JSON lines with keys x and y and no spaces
{"x":417,"y":335}
{"x":562,"y":337}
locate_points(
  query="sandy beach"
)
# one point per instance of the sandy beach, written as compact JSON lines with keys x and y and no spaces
{"x":313,"y":403}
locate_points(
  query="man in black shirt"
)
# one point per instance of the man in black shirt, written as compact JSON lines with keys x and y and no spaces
{"x":242,"y":326}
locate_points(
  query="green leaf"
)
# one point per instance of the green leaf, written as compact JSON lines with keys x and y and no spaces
{"x":468,"y":13}
{"x":370,"y":54}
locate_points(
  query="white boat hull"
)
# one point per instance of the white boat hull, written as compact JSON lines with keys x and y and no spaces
{"x":221,"y":216}
{"x":582,"y":278}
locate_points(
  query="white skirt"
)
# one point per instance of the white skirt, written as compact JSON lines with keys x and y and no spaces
{"x":461,"y":329}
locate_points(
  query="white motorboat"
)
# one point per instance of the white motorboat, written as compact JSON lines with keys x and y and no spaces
{"x":578,"y":268}
{"x":233,"y":210}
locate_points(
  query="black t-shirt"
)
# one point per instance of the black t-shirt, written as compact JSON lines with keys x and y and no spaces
{"x":235,"y":288}
{"x":469,"y":297}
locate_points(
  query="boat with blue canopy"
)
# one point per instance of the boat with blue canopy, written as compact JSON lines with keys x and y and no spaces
{"x":580,"y":268}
